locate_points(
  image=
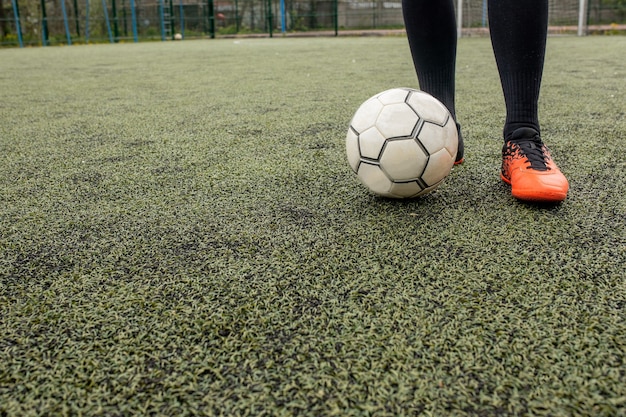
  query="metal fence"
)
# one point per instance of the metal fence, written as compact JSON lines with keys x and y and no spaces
{"x":50,"y":22}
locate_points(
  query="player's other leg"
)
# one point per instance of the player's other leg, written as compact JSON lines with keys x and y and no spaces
{"x":431,"y":31}
{"x":518,"y":34}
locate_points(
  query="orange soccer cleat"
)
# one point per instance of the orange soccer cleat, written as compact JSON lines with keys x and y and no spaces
{"x":528,"y":167}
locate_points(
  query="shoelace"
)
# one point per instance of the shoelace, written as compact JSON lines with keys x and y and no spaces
{"x":534,"y":152}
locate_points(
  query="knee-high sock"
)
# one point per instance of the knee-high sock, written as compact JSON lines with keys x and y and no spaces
{"x":431,"y":31}
{"x":518,"y":35}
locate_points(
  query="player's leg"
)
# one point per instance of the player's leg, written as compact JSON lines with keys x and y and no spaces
{"x":518,"y":34}
{"x":431,"y":31}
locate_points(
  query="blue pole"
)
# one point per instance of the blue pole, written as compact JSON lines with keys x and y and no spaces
{"x":283,"y":26}
{"x":87,"y":21}
{"x":67,"y":26}
{"x":106,"y":19}
{"x":134,"y":20}
{"x":18,"y":27}
{"x":484,"y":13}
{"x":161,"y":11}
{"x":182,"y":19}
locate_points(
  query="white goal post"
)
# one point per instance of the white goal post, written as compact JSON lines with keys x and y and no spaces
{"x":582,"y":18}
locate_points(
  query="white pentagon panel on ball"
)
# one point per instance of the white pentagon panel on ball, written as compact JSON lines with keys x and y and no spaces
{"x":405,"y":189}
{"x":371,"y":143}
{"x":395,"y":95}
{"x":428,"y":107}
{"x":396,"y":120}
{"x":374,"y":179}
{"x":352,"y":149}
{"x":403,"y":159}
{"x":366,"y":115}
{"x":439,"y":166}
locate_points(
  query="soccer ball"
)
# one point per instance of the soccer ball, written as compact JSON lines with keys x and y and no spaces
{"x":178,"y":37}
{"x":402,"y":143}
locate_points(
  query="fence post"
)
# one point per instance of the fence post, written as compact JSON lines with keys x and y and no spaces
{"x":181,"y":12}
{"x":237,"y":16}
{"x":582,"y":18}
{"x":162,"y":18}
{"x":283,"y":27}
{"x":106,"y":19}
{"x":211,"y":19}
{"x":171,"y":13}
{"x":116,"y":31}
{"x":133,"y":16}
{"x":76,"y":18}
{"x":87,"y":21}
{"x":18,"y":26}
{"x":66,"y":23}
{"x":270,"y":18}
{"x":485,"y":9}
{"x":44,"y":24}
{"x":336,"y":16}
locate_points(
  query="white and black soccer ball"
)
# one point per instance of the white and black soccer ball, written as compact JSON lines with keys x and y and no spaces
{"x":402,"y":143}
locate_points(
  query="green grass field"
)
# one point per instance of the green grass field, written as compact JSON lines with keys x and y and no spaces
{"x":181,"y":234}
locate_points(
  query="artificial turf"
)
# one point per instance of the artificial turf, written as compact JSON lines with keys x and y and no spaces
{"x":181,"y":234}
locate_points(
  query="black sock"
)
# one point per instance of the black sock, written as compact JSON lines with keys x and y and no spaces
{"x":431,"y":31}
{"x":518,"y":34}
